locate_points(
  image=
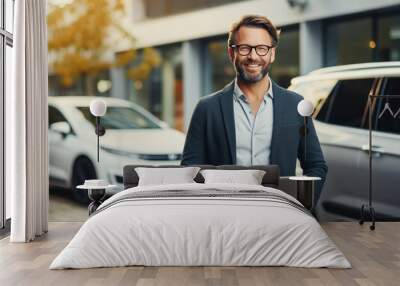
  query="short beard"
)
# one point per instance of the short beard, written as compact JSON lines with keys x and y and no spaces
{"x":246,"y":78}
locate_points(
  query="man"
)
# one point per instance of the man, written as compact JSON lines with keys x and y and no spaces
{"x":253,"y":121}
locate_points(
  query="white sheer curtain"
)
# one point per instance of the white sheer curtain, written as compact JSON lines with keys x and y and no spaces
{"x":26,"y":124}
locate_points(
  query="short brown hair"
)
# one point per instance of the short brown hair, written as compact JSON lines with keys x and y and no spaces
{"x":254,"y":21}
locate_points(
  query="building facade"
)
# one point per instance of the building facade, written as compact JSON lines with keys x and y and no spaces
{"x":191,"y":37}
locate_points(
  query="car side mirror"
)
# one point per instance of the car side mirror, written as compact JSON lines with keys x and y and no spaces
{"x":62,"y":128}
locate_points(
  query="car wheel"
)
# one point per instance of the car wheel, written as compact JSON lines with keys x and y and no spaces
{"x":83,"y":170}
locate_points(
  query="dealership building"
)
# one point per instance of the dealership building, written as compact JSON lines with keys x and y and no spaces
{"x":191,"y":38}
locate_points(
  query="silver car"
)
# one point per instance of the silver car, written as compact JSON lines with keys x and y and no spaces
{"x":340,"y":95}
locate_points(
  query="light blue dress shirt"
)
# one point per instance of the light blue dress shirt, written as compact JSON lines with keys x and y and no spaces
{"x":253,"y":131}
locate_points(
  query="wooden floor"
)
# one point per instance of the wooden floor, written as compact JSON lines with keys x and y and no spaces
{"x":375,"y":257}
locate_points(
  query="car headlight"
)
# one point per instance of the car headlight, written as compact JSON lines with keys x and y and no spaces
{"x":119,"y":152}
{"x":146,"y":157}
{"x":160,"y":157}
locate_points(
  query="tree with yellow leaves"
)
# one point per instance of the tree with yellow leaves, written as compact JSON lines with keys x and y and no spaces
{"x":78,"y":33}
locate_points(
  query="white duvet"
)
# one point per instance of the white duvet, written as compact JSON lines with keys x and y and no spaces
{"x":183,"y":231}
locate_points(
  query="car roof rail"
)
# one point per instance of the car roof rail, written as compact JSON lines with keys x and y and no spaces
{"x":354,"y":67}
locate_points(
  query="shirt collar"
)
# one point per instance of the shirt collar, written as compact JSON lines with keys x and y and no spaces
{"x":238,"y":93}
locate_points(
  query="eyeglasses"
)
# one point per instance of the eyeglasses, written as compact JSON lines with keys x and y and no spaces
{"x":245,"y":50}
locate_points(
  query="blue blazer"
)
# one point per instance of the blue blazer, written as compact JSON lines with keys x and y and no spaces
{"x":211,"y":136}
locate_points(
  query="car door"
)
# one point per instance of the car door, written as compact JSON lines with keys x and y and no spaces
{"x":386,"y":155}
{"x":342,"y":139}
{"x":57,"y":149}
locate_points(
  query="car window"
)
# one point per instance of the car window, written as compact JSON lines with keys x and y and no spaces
{"x":55,"y":115}
{"x":317,"y":92}
{"x":120,"y":118}
{"x":348,"y":102}
{"x":388,"y":122}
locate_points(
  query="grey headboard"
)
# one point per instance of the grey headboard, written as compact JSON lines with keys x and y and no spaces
{"x":271,"y":177}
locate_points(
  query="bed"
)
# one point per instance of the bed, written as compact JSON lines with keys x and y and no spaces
{"x":201,"y":224}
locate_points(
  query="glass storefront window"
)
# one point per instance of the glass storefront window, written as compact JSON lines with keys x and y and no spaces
{"x":161,"y":92}
{"x":8,"y":80}
{"x":6,"y":60}
{"x":220,"y":69}
{"x":389,"y":38}
{"x":287,"y":58}
{"x":349,"y":42}
{"x":98,"y":85}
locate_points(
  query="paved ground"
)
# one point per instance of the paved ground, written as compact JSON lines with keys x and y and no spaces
{"x":63,"y":208}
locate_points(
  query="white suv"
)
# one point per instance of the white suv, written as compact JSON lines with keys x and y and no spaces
{"x":133,"y":136}
{"x":340,"y":95}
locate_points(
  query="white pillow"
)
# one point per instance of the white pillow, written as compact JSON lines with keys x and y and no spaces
{"x":248,"y":177}
{"x":163,"y":176}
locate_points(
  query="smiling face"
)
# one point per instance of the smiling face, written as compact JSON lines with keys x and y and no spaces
{"x":252,"y":68}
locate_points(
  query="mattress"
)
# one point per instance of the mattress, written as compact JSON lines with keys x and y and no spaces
{"x":201,"y":225}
